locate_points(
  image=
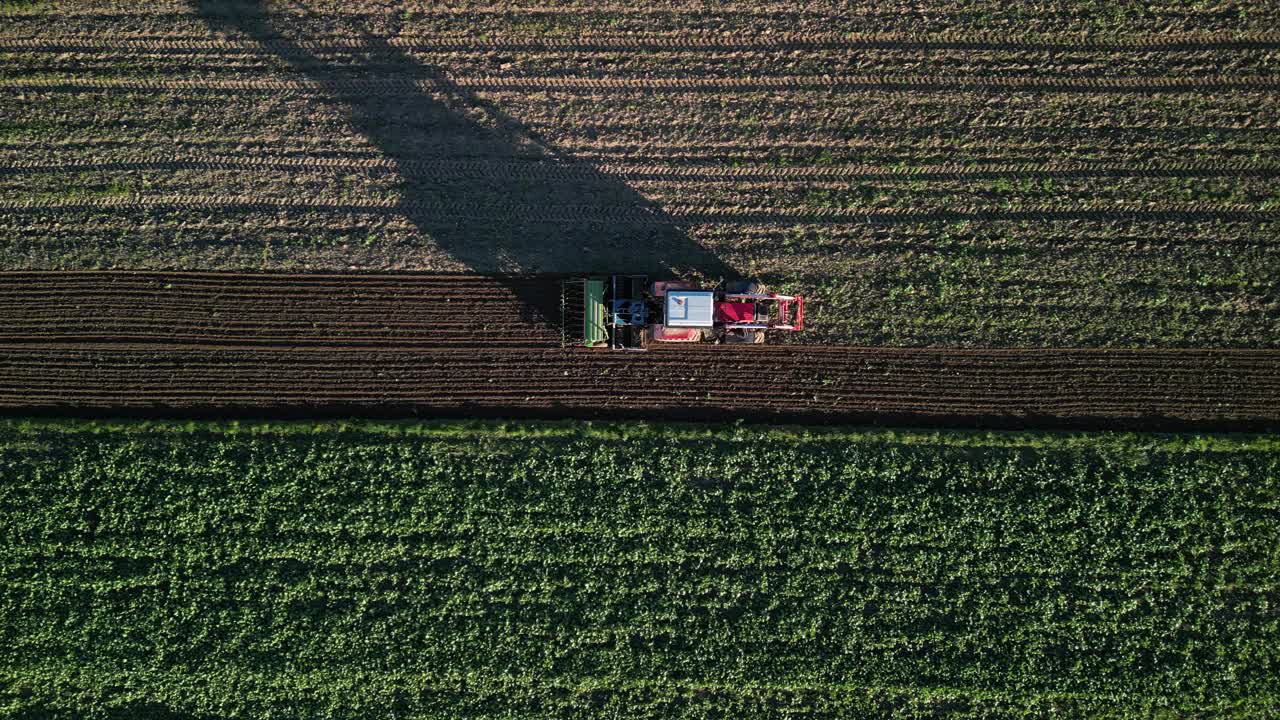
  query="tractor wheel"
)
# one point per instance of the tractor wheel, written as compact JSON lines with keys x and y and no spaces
{"x":744,"y":287}
{"x":743,"y":337}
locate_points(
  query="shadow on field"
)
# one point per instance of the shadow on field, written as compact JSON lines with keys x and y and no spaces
{"x":483,"y":186}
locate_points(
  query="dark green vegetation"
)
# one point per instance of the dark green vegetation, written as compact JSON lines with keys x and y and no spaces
{"x":587,"y":571}
{"x":966,"y":172}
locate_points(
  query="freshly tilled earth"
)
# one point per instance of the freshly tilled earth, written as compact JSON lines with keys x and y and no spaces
{"x":405,"y":344}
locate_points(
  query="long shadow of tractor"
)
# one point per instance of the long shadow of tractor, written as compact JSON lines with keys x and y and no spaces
{"x":515,"y":203}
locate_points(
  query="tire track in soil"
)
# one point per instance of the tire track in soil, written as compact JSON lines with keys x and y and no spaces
{"x":215,"y":344}
{"x":788,"y":41}
{"x":675,"y":213}
{"x":568,"y":170}
{"x":348,"y":9}
{"x":626,"y":153}
{"x":690,"y":84}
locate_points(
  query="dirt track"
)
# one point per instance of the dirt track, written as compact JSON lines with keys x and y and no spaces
{"x":211,"y":344}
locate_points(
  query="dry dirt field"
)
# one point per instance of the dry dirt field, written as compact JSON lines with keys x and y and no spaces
{"x":977,"y":173}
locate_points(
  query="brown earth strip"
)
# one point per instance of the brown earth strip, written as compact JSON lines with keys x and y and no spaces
{"x":431,"y":345}
{"x":706,"y":42}
{"x":685,"y":84}
{"x":687,"y":214}
{"x":495,"y":168}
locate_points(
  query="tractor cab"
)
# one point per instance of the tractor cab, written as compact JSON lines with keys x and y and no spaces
{"x":686,"y":313}
{"x":626,"y":312}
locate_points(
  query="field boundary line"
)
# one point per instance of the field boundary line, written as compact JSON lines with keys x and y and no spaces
{"x":254,"y":202}
{"x":497,"y":84}
{"x":570,"y":170}
{"x":788,"y":41}
{"x":686,"y":213}
{"x":1034,"y":211}
{"x":433,"y":8}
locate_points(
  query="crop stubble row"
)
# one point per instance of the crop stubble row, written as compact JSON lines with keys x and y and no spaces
{"x":568,"y":170}
{"x":866,"y":82}
{"x":461,"y":345}
{"x":785,"y":41}
{"x":693,"y":213}
{"x":771,"y":18}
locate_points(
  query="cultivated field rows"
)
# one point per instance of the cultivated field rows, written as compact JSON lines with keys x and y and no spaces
{"x":622,"y":61}
{"x":322,"y":343}
{"x":949,"y":17}
{"x":979,"y":175}
{"x":1063,"y":389}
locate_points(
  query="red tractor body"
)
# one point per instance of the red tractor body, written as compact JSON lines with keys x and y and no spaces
{"x":626,"y":312}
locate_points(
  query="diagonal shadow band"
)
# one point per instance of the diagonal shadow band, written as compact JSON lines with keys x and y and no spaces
{"x":611,"y":226}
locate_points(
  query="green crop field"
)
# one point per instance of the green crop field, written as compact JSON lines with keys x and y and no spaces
{"x":610,"y":571}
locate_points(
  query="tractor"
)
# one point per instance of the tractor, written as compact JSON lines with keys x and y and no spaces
{"x":627,"y":312}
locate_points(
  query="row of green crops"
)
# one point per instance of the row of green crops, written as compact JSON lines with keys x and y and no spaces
{"x":458,"y":570}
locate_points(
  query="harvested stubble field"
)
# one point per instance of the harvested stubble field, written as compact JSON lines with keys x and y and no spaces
{"x":199,"y":571}
{"x":982,"y":173}
{"x":217,"y":343}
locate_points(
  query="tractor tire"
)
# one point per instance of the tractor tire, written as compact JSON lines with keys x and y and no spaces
{"x":743,"y":337}
{"x":744,"y":287}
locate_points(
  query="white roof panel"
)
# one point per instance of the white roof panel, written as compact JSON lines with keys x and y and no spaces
{"x":690,"y":308}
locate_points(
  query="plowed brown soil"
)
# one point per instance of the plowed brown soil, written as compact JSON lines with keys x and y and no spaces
{"x":276,"y":344}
